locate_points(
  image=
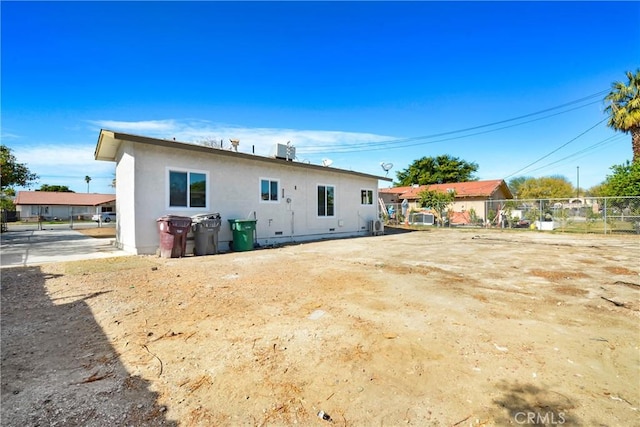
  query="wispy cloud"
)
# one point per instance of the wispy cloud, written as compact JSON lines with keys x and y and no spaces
{"x":60,"y":157}
{"x":144,"y":126}
{"x":8,"y":135}
{"x":66,"y":165}
{"x":260,"y":140}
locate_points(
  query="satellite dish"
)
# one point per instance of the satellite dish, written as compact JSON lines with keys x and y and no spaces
{"x":386,"y":167}
{"x":327,"y":162}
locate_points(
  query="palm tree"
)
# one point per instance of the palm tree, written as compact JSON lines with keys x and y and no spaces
{"x":87,"y":179}
{"x":623,"y":107}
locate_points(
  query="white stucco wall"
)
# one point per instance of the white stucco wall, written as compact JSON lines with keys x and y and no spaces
{"x":125,"y":199}
{"x":233,"y":190}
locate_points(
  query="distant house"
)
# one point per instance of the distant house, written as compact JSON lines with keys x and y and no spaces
{"x":61,"y":205}
{"x":477,"y":196}
{"x":291,"y":200}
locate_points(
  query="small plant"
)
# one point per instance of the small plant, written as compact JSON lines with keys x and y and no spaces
{"x":474,"y":216}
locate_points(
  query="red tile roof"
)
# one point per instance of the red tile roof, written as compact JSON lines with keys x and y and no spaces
{"x":462,"y":189}
{"x":68,"y":199}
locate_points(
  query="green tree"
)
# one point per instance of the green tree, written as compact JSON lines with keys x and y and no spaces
{"x":87,"y":179}
{"x":437,"y":170}
{"x":6,"y":199}
{"x":596,"y":191}
{"x":624,"y":181}
{"x":623,"y":107}
{"x":548,"y":187}
{"x":437,"y":200}
{"x":56,"y":188}
{"x":14,"y":173}
{"x":516,"y":183}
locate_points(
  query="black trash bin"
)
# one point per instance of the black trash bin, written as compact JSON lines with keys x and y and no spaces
{"x":205,"y":229}
{"x":173,"y":235}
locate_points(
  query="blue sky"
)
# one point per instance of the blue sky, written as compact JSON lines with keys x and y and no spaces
{"x":515,"y":87}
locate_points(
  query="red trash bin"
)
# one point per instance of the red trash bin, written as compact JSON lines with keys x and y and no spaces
{"x":173,"y":235}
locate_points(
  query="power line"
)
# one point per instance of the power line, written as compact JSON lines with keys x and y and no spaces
{"x":557,"y":149}
{"x":93,"y":177}
{"x":584,"y":152}
{"x":388,"y":144}
{"x":352,"y":147}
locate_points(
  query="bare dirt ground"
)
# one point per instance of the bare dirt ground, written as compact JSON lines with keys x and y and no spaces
{"x":429,"y":328}
{"x":100,"y":232}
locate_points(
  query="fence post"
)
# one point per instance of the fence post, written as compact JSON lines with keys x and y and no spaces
{"x":540,"y":217}
{"x":486,"y":214}
{"x":605,"y":215}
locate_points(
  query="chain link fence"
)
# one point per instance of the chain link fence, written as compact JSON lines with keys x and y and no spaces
{"x":600,"y":215}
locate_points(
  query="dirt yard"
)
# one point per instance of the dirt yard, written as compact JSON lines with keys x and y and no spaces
{"x":429,"y":328}
{"x":100,"y":232}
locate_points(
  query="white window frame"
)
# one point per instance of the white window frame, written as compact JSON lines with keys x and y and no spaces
{"x":334,"y":200}
{"x":369,"y":190}
{"x":188,"y":171}
{"x":270,"y":180}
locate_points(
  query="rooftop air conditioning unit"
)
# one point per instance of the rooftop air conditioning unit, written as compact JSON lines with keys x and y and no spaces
{"x":376,"y":227}
{"x":283,"y":151}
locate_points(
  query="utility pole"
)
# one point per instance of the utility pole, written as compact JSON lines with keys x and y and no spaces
{"x":578,"y":186}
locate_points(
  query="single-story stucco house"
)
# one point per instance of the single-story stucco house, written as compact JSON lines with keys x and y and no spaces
{"x":291,"y":201}
{"x":32,"y":205}
{"x":477,"y":196}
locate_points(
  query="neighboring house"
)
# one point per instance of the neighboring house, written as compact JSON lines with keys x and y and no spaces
{"x":60,"y":205}
{"x":291,"y":201}
{"x":477,"y":196}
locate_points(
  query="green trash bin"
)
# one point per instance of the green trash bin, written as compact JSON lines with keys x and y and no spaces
{"x":243,"y":230}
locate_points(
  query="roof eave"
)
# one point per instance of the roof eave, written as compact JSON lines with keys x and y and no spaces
{"x":107,"y":146}
{"x":109,"y":143}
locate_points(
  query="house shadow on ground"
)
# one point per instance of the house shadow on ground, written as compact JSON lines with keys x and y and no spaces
{"x":527,"y":404}
{"x":58,"y":366}
{"x":398,"y":229}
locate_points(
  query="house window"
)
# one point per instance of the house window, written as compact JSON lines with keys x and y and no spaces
{"x":187,"y":189}
{"x":366,"y":197}
{"x":326,"y":200}
{"x":39,"y":210}
{"x":269,"y":190}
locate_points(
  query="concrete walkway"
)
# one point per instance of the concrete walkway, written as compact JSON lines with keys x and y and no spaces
{"x":34,"y":247}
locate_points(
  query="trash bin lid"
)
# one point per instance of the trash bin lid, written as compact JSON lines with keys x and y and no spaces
{"x":170,"y":217}
{"x":176,"y":220}
{"x":201,"y":217}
